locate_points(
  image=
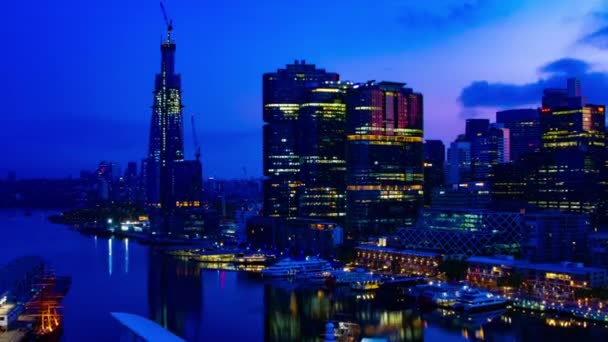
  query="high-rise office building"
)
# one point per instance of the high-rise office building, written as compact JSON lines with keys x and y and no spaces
{"x":434,"y":163}
{"x":508,"y":186}
{"x":524,"y":129}
{"x":566,"y":174}
{"x":489,"y":146}
{"x":384,"y":158}
{"x":321,"y":147}
{"x":458,"y":168}
{"x":476,"y":133}
{"x":283,"y":92}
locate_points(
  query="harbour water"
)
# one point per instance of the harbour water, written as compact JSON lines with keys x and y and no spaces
{"x":209,"y":305}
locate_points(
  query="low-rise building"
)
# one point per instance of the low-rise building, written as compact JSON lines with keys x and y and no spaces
{"x":301,"y":236}
{"x":397,"y":261}
{"x":542,"y":280}
{"x":554,"y":236}
{"x":467,"y":232}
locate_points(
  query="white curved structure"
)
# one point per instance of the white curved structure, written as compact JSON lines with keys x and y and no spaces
{"x":143,"y":329}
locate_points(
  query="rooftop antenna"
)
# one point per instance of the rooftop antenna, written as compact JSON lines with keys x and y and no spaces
{"x":168,"y":21}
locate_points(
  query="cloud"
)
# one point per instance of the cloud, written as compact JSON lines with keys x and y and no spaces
{"x":566,"y":66}
{"x":497,"y":94}
{"x":597,"y":38}
{"x":446,"y":13}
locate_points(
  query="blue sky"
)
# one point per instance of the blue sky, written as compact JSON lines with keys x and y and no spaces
{"x":78,"y":75}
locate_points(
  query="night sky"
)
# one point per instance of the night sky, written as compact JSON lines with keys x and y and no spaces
{"x":77,"y":76}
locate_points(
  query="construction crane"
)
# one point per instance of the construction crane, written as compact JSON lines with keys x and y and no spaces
{"x":168,"y":21}
{"x":197,"y":147}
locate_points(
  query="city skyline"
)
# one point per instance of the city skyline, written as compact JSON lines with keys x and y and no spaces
{"x":443,"y":60}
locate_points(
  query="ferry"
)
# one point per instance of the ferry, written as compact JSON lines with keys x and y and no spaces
{"x":471,"y":300}
{"x":290,"y":268}
{"x":254,"y":259}
{"x":366,"y":285}
{"x":438,"y":294}
{"x":340,"y":277}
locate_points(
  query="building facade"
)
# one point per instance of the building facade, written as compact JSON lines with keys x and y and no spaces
{"x":384,"y":158}
{"x":459,"y":161}
{"x":567,"y":174}
{"x":434,"y":164}
{"x":300,"y":237}
{"x":322,"y":151}
{"x":553,"y":236}
{"x":283,"y":93}
{"x":398,"y":261}
{"x":524,"y":128}
{"x":554,"y":281}
{"x":465,"y":232}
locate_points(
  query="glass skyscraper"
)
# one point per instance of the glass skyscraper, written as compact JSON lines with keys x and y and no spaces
{"x":566,"y":174}
{"x":434,"y":173}
{"x":384,"y":158}
{"x":322,"y":152}
{"x":283,"y":93}
{"x":459,"y":161}
{"x":524,"y":129}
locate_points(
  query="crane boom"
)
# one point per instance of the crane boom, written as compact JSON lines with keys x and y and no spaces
{"x":168,"y":21}
{"x":197,"y":147}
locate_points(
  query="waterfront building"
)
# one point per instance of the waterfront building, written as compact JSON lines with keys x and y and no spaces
{"x":384,"y":158}
{"x":459,"y":161}
{"x":397,"y":261}
{"x":553,"y":236}
{"x":465,"y":232}
{"x":299,"y":236}
{"x":472,"y":195}
{"x":524,"y":128}
{"x":546,"y":281}
{"x":322,"y":151}
{"x":283,"y":93}
{"x":434,"y":164}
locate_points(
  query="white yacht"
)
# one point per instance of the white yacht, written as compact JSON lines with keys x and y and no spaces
{"x":290,"y":268}
{"x":475,"y":300}
{"x":339,"y":277}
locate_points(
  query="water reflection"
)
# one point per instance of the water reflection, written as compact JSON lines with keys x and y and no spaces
{"x":300,"y":315}
{"x":110,"y":264}
{"x":175,"y":295}
{"x":126,"y":262}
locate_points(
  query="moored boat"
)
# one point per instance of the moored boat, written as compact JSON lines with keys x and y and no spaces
{"x":473,"y":300}
{"x":287,"y":268}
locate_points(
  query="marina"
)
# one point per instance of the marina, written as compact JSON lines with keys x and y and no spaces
{"x":135,"y":278}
